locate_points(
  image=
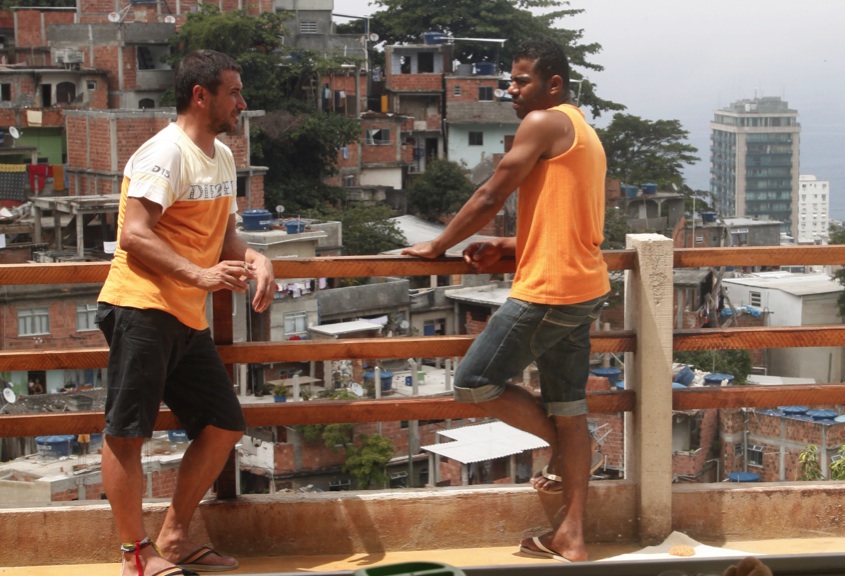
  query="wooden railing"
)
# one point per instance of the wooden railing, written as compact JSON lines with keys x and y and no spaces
{"x":618,"y":341}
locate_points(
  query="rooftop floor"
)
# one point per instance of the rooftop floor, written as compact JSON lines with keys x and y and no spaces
{"x":471,"y":559}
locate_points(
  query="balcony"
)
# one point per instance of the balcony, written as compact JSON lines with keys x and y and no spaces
{"x":362,"y":527}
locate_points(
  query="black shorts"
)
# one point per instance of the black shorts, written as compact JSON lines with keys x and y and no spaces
{"x":154,"y":358}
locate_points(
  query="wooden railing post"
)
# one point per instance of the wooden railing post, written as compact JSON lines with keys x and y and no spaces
{"x":648,"y":371}
{"x":226,"y":485}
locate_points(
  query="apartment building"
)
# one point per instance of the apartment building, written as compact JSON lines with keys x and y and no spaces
{"x":813,"y":210}
{"x":754,"y":159}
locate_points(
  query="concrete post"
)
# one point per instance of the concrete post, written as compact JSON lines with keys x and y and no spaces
{"x":648,"y":371}
{"x":447,"y":374}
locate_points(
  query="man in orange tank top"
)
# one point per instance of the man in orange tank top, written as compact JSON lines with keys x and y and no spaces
{"x":559,"y":288}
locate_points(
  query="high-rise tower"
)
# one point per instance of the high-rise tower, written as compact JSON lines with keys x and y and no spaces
{"x":754,"y":154}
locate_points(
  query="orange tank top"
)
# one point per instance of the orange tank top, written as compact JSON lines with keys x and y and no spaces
{"x":560,"y":221}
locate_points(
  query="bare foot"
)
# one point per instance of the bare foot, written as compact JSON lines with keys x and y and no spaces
{"x":200,"y":558}
{"x":555,"y":550}
{"x":750,"y":566}
{"x":150,"y":563}
{"x":546,"y":481}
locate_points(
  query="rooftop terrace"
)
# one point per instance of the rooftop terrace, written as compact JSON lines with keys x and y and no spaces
{"x":469,"y":526}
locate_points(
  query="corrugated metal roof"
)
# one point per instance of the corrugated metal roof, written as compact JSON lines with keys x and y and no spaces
{"x":417,"y":230}
{"x":795,"y":284}
{"x":486,"y":441}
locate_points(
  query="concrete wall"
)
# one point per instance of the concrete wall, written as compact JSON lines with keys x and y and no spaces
{"x":428,"y":519}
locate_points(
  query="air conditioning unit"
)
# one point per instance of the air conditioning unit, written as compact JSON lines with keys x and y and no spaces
{"x":413,"y":169}
{"x":68,"y":56}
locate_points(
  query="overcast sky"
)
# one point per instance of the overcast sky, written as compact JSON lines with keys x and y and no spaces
{"x":681,"y":60}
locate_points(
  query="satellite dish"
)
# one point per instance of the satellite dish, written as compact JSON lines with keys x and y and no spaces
{"x":357,"y":389}
{"x":403,"y":324}
{"x":373,"y":37}
{"x":114,"y":17}
{"x":170,"y":19}
{"x":9,"y":395}
{"x":14,"y":132}
{"x":280,"y":209}
{"x":498,"y":92}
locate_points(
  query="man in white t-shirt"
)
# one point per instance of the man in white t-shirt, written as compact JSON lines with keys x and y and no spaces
{"x":176,"y":243}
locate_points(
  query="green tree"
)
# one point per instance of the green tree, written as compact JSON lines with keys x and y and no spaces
{"x":368,"y":229}
{"x":837,"y":236}
{"x":301,"y":149}
{"x":367,"y":461}
{"x":811,"y":468}
{"x":254,"y":41}
{"x":640,"y":151}
{"x":510,"y":20}
{"x":615,"y":229}
{"x":442,"y":189}
{"x":298,"y":142}
{"x":736,"y":362}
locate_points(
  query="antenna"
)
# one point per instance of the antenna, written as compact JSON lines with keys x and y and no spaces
{"x":114,"y":17}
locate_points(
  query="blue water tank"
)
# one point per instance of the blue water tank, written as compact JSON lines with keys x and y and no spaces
{"x":257,"y":219}
{"x":822,"y":414}
{"x":684,"y":376}
{"x":649,"y":188}
{"x":55,"y":446}
{"x":677,"y":385}
{"x":716,"y":379}
{"x":177,"y":435}
{"x":485,"y":68}
{"x":433,"y":37}
{"x":708,"y":216}
{"x":612,"y":374}
{"x":743,"y":477}
{"x":793,"y":410}
{"x":294,"y":226}
{"x":386,"y":379}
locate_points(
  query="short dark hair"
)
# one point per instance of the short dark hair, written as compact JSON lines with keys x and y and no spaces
{"x":549,"y":59}
{"x":203,"y":68}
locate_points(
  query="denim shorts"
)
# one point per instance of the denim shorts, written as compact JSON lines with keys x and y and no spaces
{"x":557,"y":338}
{"x":154,"y":358}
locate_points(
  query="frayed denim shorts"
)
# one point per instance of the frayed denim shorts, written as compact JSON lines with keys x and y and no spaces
{"x":557,"y":338}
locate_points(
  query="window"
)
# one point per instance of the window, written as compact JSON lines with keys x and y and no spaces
{"x":91,"y":84}
{"x":46,"y":95}
{"x":145,"y":103}
{"x":476,"y":138}
{"x":296,"y":323}
{"x":755,"y":299}
{"x":425,"y":62}
{"x":399,"y":480}
{"x":338,"y":485}
{"x":754,"y":456}
{"x":33,"y":321}
{"x":434,"y":327}
{"x":5,"y":92}
{"x":457,"y":90}
{"x":85,"y":317}
{"x":308,"y":27}
{"x":485,"y":93}
{"x":378,"y":137}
